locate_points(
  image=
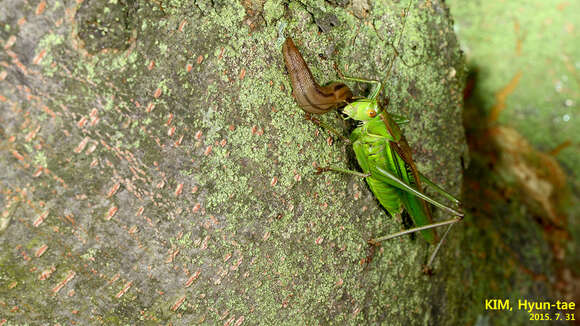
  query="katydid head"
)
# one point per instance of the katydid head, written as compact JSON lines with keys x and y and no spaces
{"x":362,"y":110}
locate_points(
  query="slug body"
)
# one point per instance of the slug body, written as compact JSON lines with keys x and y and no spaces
{"x":311,"y":97}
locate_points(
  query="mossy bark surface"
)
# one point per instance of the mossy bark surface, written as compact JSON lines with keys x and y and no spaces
{"x":155,"y":168}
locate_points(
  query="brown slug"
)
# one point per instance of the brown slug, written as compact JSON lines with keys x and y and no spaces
{"x":312,"y":97}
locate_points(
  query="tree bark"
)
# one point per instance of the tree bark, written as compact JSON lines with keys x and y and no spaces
{"x":156,"y":169}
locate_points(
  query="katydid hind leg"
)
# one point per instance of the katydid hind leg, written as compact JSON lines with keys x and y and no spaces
{"x":436,"y":250}
{"x":416,"y":229}
{"x":439,"y":189}
{"x":393,"y":235}
{"x":395,"y":181}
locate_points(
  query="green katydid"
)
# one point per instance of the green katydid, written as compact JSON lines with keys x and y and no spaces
{"x":389,"y":169}
{"x":379,"y":145}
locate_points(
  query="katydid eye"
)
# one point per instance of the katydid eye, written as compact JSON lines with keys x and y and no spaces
{"x":371,"y":113}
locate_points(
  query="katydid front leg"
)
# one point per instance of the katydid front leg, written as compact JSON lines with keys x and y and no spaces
{"x":374,"y":93}
{"x":324,"y":125}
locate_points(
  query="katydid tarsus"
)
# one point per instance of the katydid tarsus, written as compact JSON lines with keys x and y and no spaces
{"x":380,"y":147}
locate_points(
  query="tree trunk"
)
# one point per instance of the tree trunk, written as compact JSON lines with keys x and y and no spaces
{"x":156,"y":169}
